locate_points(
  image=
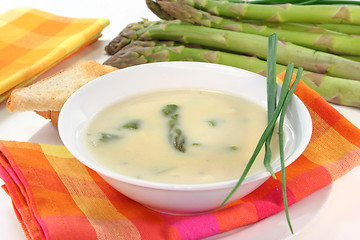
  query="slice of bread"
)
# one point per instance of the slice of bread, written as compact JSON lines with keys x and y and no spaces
{"x":47,"y":96}
{"x":52,"y":115}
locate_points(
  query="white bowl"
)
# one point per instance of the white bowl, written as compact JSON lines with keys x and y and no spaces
{"x":182,"y":199}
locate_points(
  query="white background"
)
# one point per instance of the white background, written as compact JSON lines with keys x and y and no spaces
{"x":332,"y":213}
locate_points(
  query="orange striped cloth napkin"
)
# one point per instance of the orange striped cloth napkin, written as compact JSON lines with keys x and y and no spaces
{"x":32,"y":41}
{"x":56,"y":197}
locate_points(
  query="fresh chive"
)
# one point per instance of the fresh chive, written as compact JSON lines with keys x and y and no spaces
{"x":234,"y":148}
{"x":271,"y":97}
{"x":284,"y":99}
{"x":281,"y":147}
{"x":264,"y":136}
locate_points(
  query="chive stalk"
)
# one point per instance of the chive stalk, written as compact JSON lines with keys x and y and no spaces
{"x":280,"y":110}
{"x":281,"y":147}
{"x":268,"y":129}
{"x":271,"y":96}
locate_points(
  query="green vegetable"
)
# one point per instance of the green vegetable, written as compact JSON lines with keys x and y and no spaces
{"x":323,"y":28}
{"x":106,"y":137}
{"x":248,"y":44}
{"x":170,"y":109}
{"x":327,"y":41}
{"x":341,"y":28}
{"x":284,"y":99}
{"x":271,"y":96}
{"x":212,"y":123}
{"x":297,"y":2}
{"x":176,"y":137}
{"x":280,"y":13}
{"x":281,"y":145}
{"x":155,"y":8}
{"x":268,"y":130}
{"x":234,"y":148}
{"x":120,"y":41}
{"x":336,"y":90}
{"x":133,"y":124}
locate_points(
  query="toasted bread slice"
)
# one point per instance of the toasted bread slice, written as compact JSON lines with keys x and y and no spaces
{"x":52,"y":115}
{"x":51,"y":93}
{"x":47,"y":96}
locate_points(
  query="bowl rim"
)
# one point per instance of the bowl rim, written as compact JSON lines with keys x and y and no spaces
{"x":104,"y":172}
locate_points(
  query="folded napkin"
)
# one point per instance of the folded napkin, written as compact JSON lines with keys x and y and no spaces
{"x":32,"y":41}
{"x":56,"y":197}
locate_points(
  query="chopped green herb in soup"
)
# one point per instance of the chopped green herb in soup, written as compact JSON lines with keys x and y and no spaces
{"x":179,"y":136}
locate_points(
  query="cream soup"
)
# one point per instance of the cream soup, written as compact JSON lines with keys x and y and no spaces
{"x":179,"y":136}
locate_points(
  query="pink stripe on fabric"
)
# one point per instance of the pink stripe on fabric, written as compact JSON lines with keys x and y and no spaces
{"x":12,"y":168}
{"x":273,"y":202}
{"x":3,"y":175}
{"x":196,"y":227}
{"x":13,"y":176}
{"x":43,"y":226}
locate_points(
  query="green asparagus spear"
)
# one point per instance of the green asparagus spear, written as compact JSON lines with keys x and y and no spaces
{"x":324,"y":28}
{"x":248,"y":44}
{"x":353,"y":58}
{"x":107,"y":137}
{"x":301,"y":27}
{"x":280,"y":13}
{"x":297,"y":2}
{"x":335,"y":90}
{"x":176,"y":136}
{"x":156,"y":8}
{"x":125,"y":37}
{"x":132,"y":125}
{"x":329,"y":41}
{"x":342,"y":28}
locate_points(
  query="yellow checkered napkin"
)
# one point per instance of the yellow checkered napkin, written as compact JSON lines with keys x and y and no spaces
{"x":32,"y":41}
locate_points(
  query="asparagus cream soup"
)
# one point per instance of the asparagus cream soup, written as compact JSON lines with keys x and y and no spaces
{"x":179,"y":136}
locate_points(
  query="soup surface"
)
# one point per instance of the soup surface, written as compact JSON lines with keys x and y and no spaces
{"x":179,"y":136}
